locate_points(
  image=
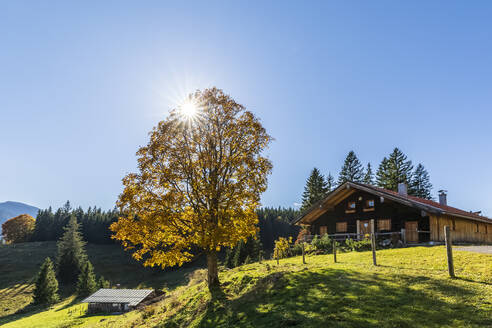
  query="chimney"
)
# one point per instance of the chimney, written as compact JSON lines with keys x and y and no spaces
{"x":402,"y":189}
{"x":443,"y":199}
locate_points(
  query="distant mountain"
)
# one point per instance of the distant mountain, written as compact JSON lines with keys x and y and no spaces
{"x":10,"y":209}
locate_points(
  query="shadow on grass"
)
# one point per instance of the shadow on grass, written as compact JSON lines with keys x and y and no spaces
{"x":473,"y":281}
{"x":32,"y":309}
{"x":71,"y":303}
{"x":339,"y":298}
{"x":24,"y":312}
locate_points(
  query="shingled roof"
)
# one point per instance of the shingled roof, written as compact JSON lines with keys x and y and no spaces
{"x":420,"y":203}
{"x":131,"y":297}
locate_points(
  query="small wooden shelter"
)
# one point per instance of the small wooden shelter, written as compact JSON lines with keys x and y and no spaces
{"x":354,"y":210}
{"x":116,"y":300}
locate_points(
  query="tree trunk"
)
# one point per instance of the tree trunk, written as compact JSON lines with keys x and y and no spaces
{"x":213,"y":272}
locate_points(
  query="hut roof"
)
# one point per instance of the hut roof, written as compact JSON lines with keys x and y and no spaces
{"x":127,"y":296}
{"x":346,"y":188}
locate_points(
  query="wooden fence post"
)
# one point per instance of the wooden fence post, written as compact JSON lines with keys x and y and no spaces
{"x":403,"y":237}
{"x":303,"y":254}
{"x":373,"y":246}
{"x":449,"y":250}
{"x":334,"y":250}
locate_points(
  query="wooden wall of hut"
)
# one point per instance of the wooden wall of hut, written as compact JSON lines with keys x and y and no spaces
{"x":462,"y":230}
{"x":105,"y":307}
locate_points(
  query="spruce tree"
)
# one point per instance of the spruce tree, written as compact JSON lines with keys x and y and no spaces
{"x":239,"y":254}
{"x":71,"y":253}
{"x":420,"y":185}
{"x":86,"y":284}
{"x":103,"y":283}
{"x":229,"y":258}
{"x":253,"y":248}
{"x":382,"y":174}
{"x":330,"y":182}
{"x":369,"y":176}
{"x":44,"y":227}
{"x":394,"y":170}
{"x":316,"y":188}
{"x":351,"y":170}
{"x":46,"y":287}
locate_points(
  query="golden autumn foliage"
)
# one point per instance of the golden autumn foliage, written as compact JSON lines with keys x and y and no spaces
{"x":18,"y":229}
{"x":281,"y":249}
{"x":198,"y":186}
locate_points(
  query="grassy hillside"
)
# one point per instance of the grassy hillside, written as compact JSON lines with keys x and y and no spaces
{"x":19,"y":264}
{"x":409,"y":288}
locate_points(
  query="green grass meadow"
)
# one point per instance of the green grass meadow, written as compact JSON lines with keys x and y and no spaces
{"x":19,"y":264}
{"x":409,"y":288}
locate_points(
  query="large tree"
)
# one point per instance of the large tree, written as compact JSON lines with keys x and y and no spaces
{"x":18,"y":229}
{"x":393,"y":170}
{"x":71,"y":256}
{"x":199,"y":183}
{"x":420,"y":185}
{"x":315,"y":189}
{"x":352,"y":169}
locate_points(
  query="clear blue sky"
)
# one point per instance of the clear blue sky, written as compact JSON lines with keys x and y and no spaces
{"x":82,"y":83}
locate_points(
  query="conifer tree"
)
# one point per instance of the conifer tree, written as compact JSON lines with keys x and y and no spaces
{"x":43,"y":229}
{"x":46,"y":287}
{"x":330,"y":182}
{"x":316,"y":188}
{"x":420,"y":185}
{"x":382,"y":174}
{"x":351,"y":170}
{"x":71,"y":253}
{"x":86,"y":284}
{"x":239,"y":254}
{"x":229,"y":258}
{"x":394,"y":170}
{"x":369,"y":176}
{"x":103,"y":283}
{"x":253,"y":248}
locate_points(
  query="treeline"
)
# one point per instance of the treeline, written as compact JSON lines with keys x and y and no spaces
{"x":49,"y":226}
{"x":275,"y":223}
{"x":394,"y":169}
{"x":95,"y":223}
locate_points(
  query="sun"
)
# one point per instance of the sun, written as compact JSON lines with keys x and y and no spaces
{"x":189,"y":109}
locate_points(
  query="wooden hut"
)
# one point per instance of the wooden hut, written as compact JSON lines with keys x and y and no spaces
{"x":355,"y":210}
{"x":116,"y":300}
